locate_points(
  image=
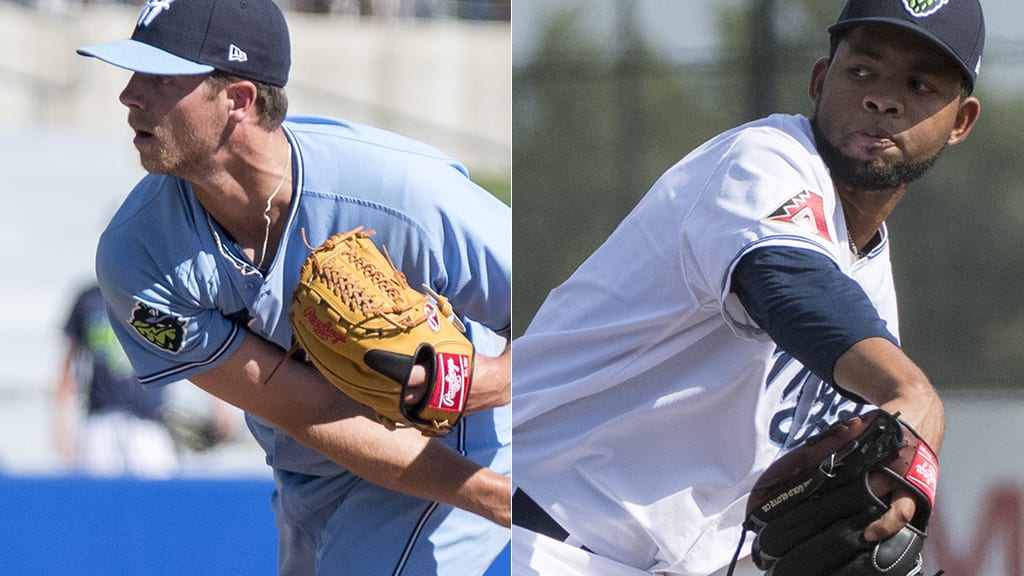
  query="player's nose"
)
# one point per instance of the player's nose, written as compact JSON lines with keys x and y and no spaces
{"x":131,"y":96}
{"x":882,"y":103}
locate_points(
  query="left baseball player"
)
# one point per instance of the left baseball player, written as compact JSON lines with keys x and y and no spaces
{"x":198,"y":265}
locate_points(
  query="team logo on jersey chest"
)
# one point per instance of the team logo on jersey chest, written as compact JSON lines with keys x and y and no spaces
{"x":158,"y":328}
{"x":807,"y":210}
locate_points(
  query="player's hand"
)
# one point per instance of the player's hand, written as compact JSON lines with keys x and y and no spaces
{"x":901,"y":507}
{"x":492,"y":383}
{"x":417,"y":385}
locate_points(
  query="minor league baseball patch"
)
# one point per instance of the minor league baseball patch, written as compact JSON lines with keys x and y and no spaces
{"x":158,"y":328}
{"x":806,"y":210}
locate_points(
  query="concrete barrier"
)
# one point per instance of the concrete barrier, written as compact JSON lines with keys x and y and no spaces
{"x":447,"y":82}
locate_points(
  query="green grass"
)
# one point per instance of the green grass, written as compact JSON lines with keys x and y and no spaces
{"x":500,"y":186}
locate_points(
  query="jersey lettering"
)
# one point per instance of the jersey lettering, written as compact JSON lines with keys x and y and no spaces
{"x":827,"y":407}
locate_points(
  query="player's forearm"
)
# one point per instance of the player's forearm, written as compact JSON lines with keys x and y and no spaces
{"x":881,"y":373}
{"x":438,"y":473}
{"x":405,"y":461}
{"x":488,"y":494}
{"x":442,"y":475}
{"x":304,"y":405}
{"x":492,"y":382}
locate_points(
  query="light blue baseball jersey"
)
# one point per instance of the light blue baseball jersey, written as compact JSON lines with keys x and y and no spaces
{"x":181,"y":296}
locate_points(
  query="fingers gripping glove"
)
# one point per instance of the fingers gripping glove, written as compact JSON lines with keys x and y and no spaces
{"x":809,"y":509}
{"x":364,"y":329}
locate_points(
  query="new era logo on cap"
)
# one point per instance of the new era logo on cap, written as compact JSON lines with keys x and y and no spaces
{"x":187,"y":37}
{"x":236,"y":54}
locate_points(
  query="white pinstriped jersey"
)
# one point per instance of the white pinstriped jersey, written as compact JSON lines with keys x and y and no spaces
{"x":646,"y":402}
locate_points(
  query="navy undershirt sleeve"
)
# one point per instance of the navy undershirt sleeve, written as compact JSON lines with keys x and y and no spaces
{"x":807,"y":305}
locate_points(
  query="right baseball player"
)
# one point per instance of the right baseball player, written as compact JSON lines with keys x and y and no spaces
{"x":745,"y":304}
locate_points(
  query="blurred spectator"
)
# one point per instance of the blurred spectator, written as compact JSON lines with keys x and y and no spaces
{"x":484,"y":9}
{"x":199,"y":421}
{"x":461,"y":9}
{"x":105,"y":422}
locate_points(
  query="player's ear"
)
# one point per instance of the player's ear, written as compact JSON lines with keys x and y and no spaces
{"x":242,"y":95}
{"x":818,"y":74}
{"x":966,"y":117}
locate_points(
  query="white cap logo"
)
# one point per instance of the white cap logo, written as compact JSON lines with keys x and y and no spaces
{"x":151,"y":10}
{"x":236,"y":54}
{"x":923,"y":8}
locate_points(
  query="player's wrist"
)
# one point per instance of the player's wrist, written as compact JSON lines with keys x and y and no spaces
{"x":492,"y":383}
{"x":923,"y":413}
{"x":495,"y":497}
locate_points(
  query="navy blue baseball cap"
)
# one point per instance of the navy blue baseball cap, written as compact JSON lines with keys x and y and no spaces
{"x":955,"y":26}
{"x":247,"y":38}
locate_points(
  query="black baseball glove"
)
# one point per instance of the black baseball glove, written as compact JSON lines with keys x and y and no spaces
{"x":809,"y":509}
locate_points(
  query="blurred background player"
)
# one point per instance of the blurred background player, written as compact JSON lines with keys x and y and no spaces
{"x":105,"y":422}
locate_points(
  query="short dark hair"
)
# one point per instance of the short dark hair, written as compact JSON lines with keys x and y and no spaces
{"x":271,"y":100}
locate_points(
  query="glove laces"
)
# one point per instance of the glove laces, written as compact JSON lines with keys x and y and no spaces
{"x":354,"y":291}
{"x":736,"y":555}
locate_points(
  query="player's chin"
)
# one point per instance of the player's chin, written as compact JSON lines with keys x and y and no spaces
{"x":154,"y":164}
{"x":145,"y":145}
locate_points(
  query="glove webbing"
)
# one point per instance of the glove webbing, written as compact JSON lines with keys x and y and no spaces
{"x":352,"y":291}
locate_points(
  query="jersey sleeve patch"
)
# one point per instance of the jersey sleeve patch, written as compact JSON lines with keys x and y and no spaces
{"x":806,"y":210}
{"x":160,"y":329}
